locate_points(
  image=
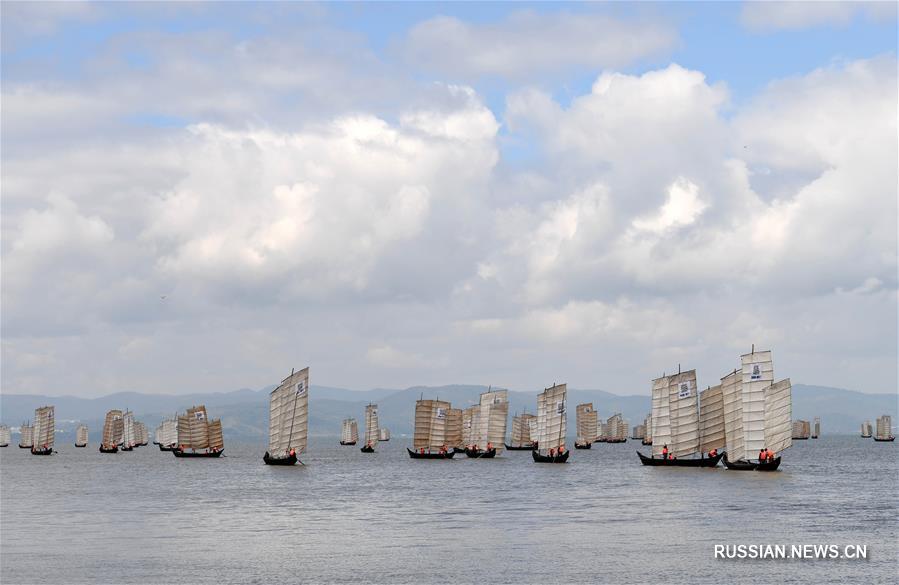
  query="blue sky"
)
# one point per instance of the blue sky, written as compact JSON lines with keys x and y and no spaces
{"x":431,"y":193}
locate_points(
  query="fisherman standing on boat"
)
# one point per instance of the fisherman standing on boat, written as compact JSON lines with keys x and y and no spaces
{"x":763,"y":454}
{"x":713,"y":453}
{"x":665,"y":452}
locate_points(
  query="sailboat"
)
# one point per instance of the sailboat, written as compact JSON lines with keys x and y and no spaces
{"x":647,"y":430}
{"x":81,"y":436}
{"x":128,"y":431}
{"x":867,"y":431}
{"x":288,"y":423}
{"x":454,"y":431}
{"x":801,"y":430}
{"x":371,"y":428}
{"x":429,"y":439}
{"x":470,"y":426}
{"x":44,"y":431}
{"x":26,"y":436}
{"x":112,"y":432}
{"x":203,"y":437}
{"x":816,"y":430}
{"x":384,"y":434}
{"x":521,"y":432}
{"x":615,"y":429}
{"x":349,"y":432}
{"x":5,"y":436}
{"x":142,"y":437}
{"x":675,"y":423}
{"x":884,"y":429}
{"x":711,"y":420}
{"x":552,"y":418}
{"x":766,"y":409}
{"x":167,"y":434}
{"x":493,"y":412}
{"x":585,"y":421}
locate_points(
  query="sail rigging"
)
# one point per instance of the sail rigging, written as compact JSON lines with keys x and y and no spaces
{"x":111,"y":425}
{"x":430,"y":425}
{"x":778,"y":416}
{"x":732,"y":393}
{"x":521,"y":430}
{"x":349,"y":432}
{"x":454,"y":431}
{"x":493,"y":414}
{"x":44,"y":428}
{"x":5,"y":436}
{"x":26,"y":436}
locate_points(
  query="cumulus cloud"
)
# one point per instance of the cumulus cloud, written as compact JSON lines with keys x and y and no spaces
{"x":527,"y":44}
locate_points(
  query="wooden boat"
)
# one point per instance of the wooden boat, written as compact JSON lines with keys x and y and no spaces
{"x":801,"y":430}
{"x":384,"y":434}
{"x":711,"y":420}
{"x":81,"y":436}
{"x":481,"y":453}
{"x":141,"y":436}
{"x":5,"y":436}
{"x":552,"y":425}
{"x":614,"y":430}
{"x":44,"y":430}
{"x":742,"y":465}
{"x":816,"y":429}
{"x":522,"y":425}
{"x":701,"y":462}
{"x":167,"y":434}
{"x":585,"y":425}
{"x":555,"y":458}
{"x":112,"y":432}
{"x":768,"y":465}
{"x":196,"y":432}
{"x":429,"y":438}
{"x":867,"y":430}
{"x":26,"y":436}
{"x":349,"y":432}
{"x":430,"y":455}
{"x":129,"y":439}
{"x":371,"y":428}
{"x":884,"y":432}
{"x":288,"y":423}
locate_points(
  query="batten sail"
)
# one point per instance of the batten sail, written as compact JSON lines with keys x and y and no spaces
{"x":552,"y":418}
{"x":492,"y":417}
{"x":44,"y":428}
{"x":779,"y":416}
{"x":585,"y":422}
{"x":732,"y":393}
{"x":661,"y":415}
{"x":81,"y":436}
{"x":289,"y":416}
{"x":454,"y":431}
{"x":711,"y":419}
{"x":5,"y":436}
{"x":371,"y":425}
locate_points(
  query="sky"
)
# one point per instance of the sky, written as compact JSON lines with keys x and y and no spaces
{"x":199,"y":197}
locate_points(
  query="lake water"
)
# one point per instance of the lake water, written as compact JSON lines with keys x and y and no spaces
{"x":147,"y":517}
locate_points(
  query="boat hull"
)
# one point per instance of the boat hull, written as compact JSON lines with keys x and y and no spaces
{"x":105,"y":450}
{"x":347,"y":443}
{"x":481,"y":453}
{"x":739,"y":465}
{"x":416,"y":455}
{"x":1,"y":446}
{"x":42,"y":451}
{"x":645,"y":442}
{"x":615,"y":441}
{"x":887,"y":440}
{"x":367,"y":449}
{"x":179,"y":453}
{"x":705,"y":462}
{"x":24,"y":447}
{"x":768,"y":465}
{"x":81,"y":446}
{"x":127,"y":449}
{"x":519,"y":448}
{"x":538,"y":458}
{"x":269,"y":460}
{"x":164,"y":448}
{"x":584,"y":446}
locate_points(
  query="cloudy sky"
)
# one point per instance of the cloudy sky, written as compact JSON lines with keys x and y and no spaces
{"x":200,"y":197}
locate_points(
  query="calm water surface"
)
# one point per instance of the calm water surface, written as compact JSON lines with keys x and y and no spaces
{"x":147,"y":517}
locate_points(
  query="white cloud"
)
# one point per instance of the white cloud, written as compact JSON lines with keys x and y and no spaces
{"x":777,"y":15}
{"x":527,"y":44}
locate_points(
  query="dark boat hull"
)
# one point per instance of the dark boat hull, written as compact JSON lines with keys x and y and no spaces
{"x":179,"y":453}
{"x":706,"y":462}
{"x":104,"y":450}
{"x":1,"y":446}
{"x":481,"y":453}
{"x":81,"y":446}
{"x":538,"y":458}
{"x":417,"y":455}
{"x":800,"y":438}
{"x":42,"y":451}
{"x":616,"y":441}
{"x":519,"y":448}
{"x":769,"y":466}
{"x":289,"y":460}
{"x":645,"y":442}
{"x":347,"y":443}
{"x":739,"y":465}
{"x":367,"y":449}
{"x":584,"y":446}
{"x":24,"y":447}
{"x":164,"y":448}
{"x":887,"y":440}
{"x":127,"y":449}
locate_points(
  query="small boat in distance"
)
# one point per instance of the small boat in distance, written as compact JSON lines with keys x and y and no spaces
{"x":5,"y":436}
{"x":112,"y":432}
{"x":429,"y":439}
{"x":81,"y":436}
{"x":167,"y":434}
{"x":884,"y":429}
{"x":349,"y":432}
{"x":615,"y":429}
{"x":44,"y":431}
{"x":801,"y":430}
{"x":288,"y":423}
{"x":202,"y":436}
{"x":522,"y":426}
{"x":647,"y":430}
{"x":490,"y":438}
{"x":384,"y":434}
{"x":585,"y":423}
{"x":816,"y":430}
{"x":142,"y":437}
{"x":552,"y":425}
{"x":454,"y":432}
{"x":371,"y":428}
{"x":867,"y":430}
{"x":128,"y":438}
{"x":26,"y":436}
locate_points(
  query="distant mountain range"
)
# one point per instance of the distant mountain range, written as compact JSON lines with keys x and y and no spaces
{"x":244,"y":413}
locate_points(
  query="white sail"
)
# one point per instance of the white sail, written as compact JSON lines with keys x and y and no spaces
{"x":26,"y":435}
{"x":81,"y":435}
{"x":661,"y":416}
{"x":816,"y":432}
{"x":110,"y":424}
{"x":778,"y":416}
{"x":183,"y":432}
{"x":44,"y":427}
{"x":289,"y":415}
{"x":884,"y":427}
{"x":128,"y":439}
{"x":430,"y":424}
{"x":371,"y":425}
{"x":711,"y":419}
{"x":758,"y":375}
{"x":521,"y":430}
{"x":732,"y":392}
{"x":216,"y":439}
{"x":492,"y":417}
{"x":552,"y":418}
{"x":168,"y":435}
{"x":470,"y":425}
{"x":684,"y":403}
{"x":800,"y":429}
{"x":647,"y":428}
{"x":384,"y":434}
{"x":585,"y":423}
{"x":639,"y":432}
{"x":5,"y":436}
{"x":454,"y":432}
{"x":349,"y":432}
